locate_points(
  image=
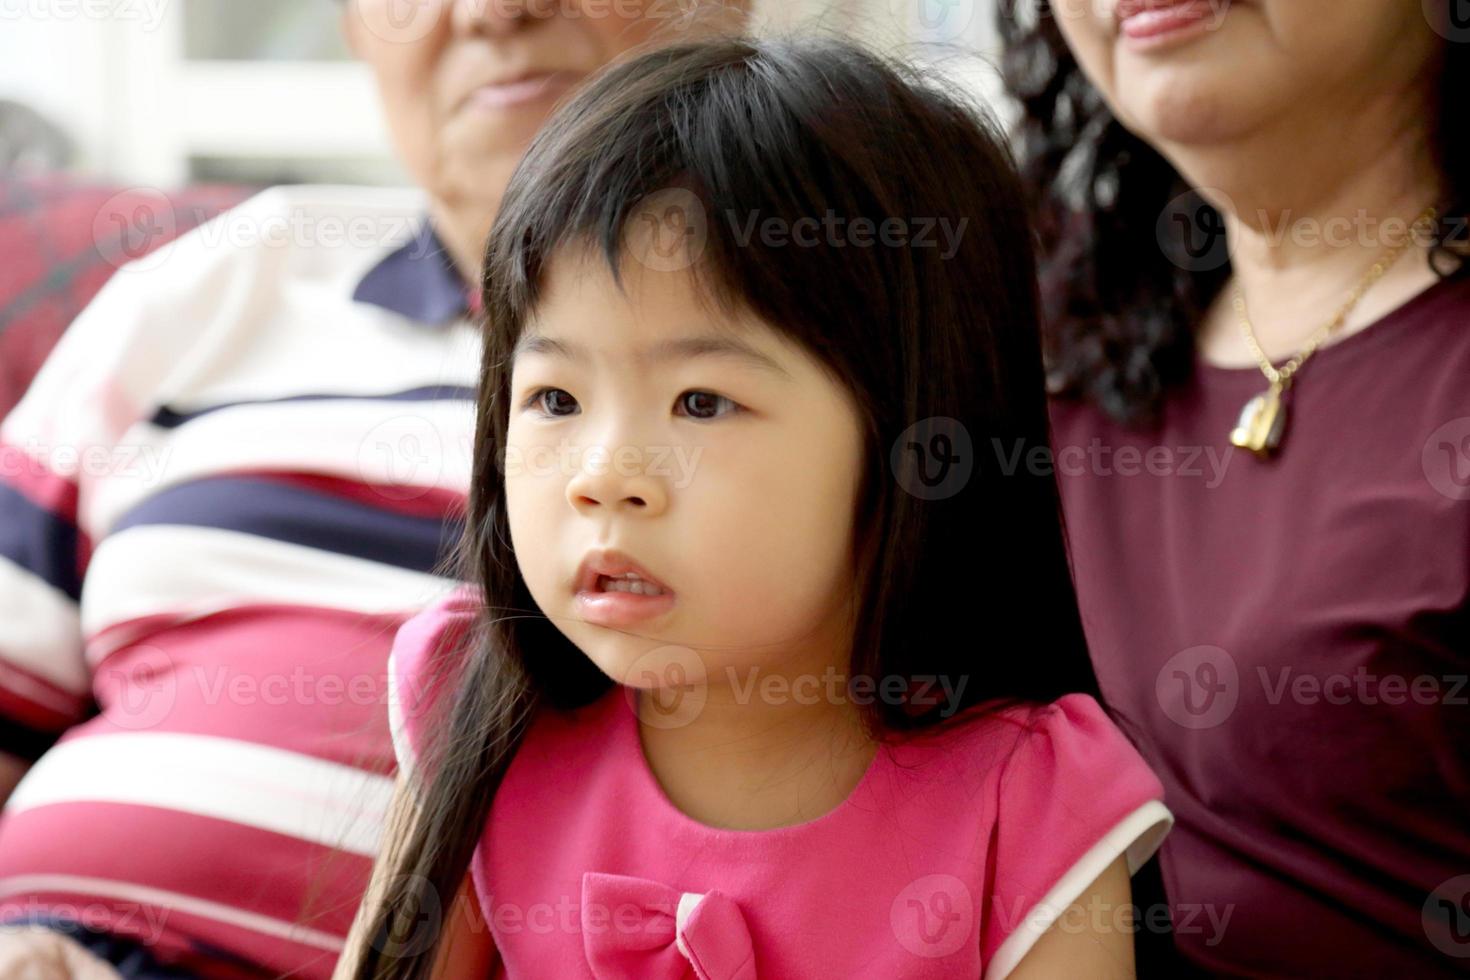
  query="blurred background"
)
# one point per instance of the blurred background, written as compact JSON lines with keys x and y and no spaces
{"x":166,"y":93}
{"x":126,"y":123}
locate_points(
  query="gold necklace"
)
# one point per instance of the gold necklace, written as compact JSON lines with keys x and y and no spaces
{"x":1262,"y":421}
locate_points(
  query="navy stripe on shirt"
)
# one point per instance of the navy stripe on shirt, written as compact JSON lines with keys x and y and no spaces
{"x":301,"y":516}
{"x":168,"y":418}
{"x":39,"y":541}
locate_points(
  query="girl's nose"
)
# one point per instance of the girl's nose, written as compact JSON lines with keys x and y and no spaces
{"x":618,"y":482}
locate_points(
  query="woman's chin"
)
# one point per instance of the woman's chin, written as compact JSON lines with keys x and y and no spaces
{"x":1197,"y":104}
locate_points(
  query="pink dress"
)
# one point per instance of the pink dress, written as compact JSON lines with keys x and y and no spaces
{"x":950,"y":858}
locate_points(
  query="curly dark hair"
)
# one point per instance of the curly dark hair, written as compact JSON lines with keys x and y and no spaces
{"x":1125,"y":274}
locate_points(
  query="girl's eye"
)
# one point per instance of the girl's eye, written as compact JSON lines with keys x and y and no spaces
{"x":705,"y":404}
{"x":556,"y":402}
{"x":559,"y":403}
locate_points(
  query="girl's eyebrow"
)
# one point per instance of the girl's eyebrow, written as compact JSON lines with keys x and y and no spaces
{"x":681,"y":348}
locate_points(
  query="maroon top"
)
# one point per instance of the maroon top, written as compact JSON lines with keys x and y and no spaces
{"x":1290,"y":641}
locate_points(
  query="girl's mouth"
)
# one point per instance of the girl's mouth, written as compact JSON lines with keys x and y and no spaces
{"x":629,"y":582}
{"x":623,"y":601}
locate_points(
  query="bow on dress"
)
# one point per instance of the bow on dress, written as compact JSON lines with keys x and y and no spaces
{"x":638,"y":929}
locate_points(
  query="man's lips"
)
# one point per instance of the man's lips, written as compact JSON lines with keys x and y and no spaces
{"x":518,"y":89}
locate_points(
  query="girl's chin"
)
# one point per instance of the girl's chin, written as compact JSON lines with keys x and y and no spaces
{"x":643,"y":661}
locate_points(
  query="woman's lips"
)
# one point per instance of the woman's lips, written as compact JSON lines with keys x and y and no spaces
{"x":1154,"y":23}
{"x":504,"y":95}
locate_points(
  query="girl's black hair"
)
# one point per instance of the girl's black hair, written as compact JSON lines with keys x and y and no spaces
{"x":1126,"y":267}
{"x":974,"y":584}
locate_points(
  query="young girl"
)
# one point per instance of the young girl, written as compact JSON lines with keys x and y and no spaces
{"x":771,"y":665}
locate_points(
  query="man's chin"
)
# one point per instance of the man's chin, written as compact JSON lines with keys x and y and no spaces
{"x":477,"y":175}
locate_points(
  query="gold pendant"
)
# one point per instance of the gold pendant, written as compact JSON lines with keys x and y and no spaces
{"x":1261,"y":423}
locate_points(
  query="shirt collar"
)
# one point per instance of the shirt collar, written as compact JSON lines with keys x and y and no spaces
{"x":419,"y":281}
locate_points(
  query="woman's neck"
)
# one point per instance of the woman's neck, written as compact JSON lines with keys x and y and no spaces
{"x":1308,"y":207}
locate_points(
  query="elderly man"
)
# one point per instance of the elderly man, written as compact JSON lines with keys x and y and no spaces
{"x":236,"y":475}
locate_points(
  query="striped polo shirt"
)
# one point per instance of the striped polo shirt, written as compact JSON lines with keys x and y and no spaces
{"x":240,"y":470}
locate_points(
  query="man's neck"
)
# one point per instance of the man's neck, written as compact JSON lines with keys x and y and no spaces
{"x":463,"y":227}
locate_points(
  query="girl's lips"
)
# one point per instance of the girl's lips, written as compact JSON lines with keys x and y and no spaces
{"x":1154,"y":23}
{"x":617,"y":609}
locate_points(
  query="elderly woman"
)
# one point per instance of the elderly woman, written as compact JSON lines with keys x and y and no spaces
{"x":1255,"y":216}
{"x":235,"y":477}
